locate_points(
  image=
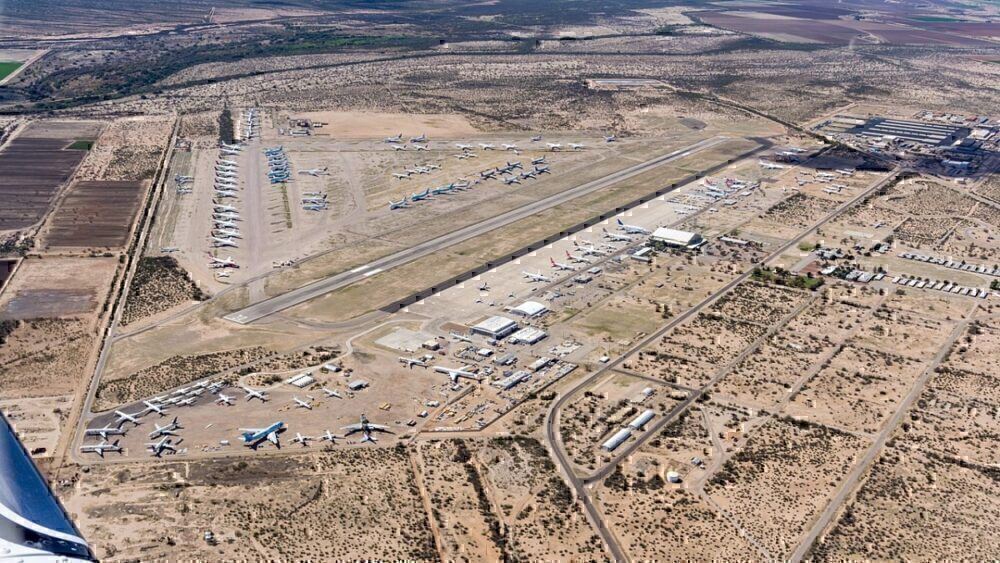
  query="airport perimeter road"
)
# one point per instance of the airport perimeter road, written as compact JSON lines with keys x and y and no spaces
{"x":552,"y":418}
{"x":311,"y":291}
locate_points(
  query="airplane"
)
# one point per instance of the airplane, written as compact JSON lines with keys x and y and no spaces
{"x":536,"y":138}
{"x":398,"y":204}
{"x":252,"y":437}
{"x":560,"y":265}
{"x":183,"y":179}
{"x":396,"y":139}
{"x":576,"y":146}
{"x":487,"y":174}
{"x":224,"y":207}
{"x":610,"y":138}
{"x":422,"y":138}
{"x":228,"y":233}
{"x":304,"y":404}
{"x":314,"y":207}
{"x":332,"y":393}
{"x":251,"y":394}
{"x":589,"y":249}
{"x":770,"y":165}
{"x":99,"y":449}
{"x":510,"y":147}
{"x":224,"y":242}
{"x":315,"y":171}
{"x":577,"y":259}
{"x":189,"y":401}
{"x":224,"y":400}
{"x":537,"y":277}
{"x":273,"y":150}
{"x":150,"y":407}
{"x":157,"y":448}
{"x":402,"y":176}
{"x":236,"y":147}
{"x":554,"y":146}
{"x":166,"y":429}
{"x":632,"y":229}
{"x":222,"y":194}
{"x":398,"y":147}
{"x":328,"y":437}
{"x":484,"y":287}
{"x":542,"y":170}
{"x":367,"y":428}
{"x":229,"y":152}
{"x":420,"y":195}
{"x":617,"y":237}
{"x":462,"y":147}
{"x":539,"y":160}
{"x":460,"y":337}
{"x":455,"y":373}
{"x":300,"y":439}
{"x":410,"y":362}
{"x":105,"y":432}
{"x":511,"y":180}
{"x":486,"y":146}
{"x":223,"y":263}
{"x":526,"y":175}
{"x":417,"y":147}
{"x":513,"y":165}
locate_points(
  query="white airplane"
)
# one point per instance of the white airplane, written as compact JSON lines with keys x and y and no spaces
{"x":303,"y":404}
{"x":123,"y":417}
{"x":396,"y":139}
{"x":252,"y":394}
{"x":221,"y":194}
{"x":224,"y":242}
{"x":576,"y":259}
{"x":539,"y":160}
{"x":617,"y":237}
{"x":235,"y":147}
{"x":105,"y":431}
{"x":560,"y":265}
{"x":252,"y":437}
{"x":152,"y":407}
{"x":589,"y":249}
{"x":528,"y":174}
{"x":460,"y":337}
{"x":402,"y":175}
{"x":157,"y":448}
{"x":227,"y":233}
{"x":332,"y":393}
{"x":610,"y":138}
{"x":99,"y":449}
{"x":410,"y":362}
{"x":229,"y":152}
{"x":632,"y":229}
{"x":367,"y":428}
{"x":422,"y":138}
{"x":300,"y":439}
{"x":165,"y":430}
{"x":186,"y":402}
{"x":225,"y":400}
{"x":462,"y":147}
{"x":223,"y":207}
{"x":398,"y":204}
{"x":554,"y":146}
{"x":223,"y":263}
{"x":183,"y":179}
{"x":417,"y":147}
{"x":770,"y":165}
{"x":576,"y":146}
{"x":455,"y":373}
{"x":537,"y":277}
{"x":486,"y":146}
{"x":510,"y":147}
{"x":315,"y":171}
{"x":511,"y":180}
{"x":327,"y":436}
{"x":398,"y":147}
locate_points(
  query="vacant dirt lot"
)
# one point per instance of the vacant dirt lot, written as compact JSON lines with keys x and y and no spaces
{"x":95,"y":214}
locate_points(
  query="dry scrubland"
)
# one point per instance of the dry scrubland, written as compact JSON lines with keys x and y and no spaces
{"x":127,"y":150}
{"x":42,"y":357}
{"x":351,"y":504}
{"x":503,"y":498}
{"x":159,"y":284}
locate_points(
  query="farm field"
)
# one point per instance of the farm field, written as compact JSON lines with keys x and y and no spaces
{"x":95,"y":214}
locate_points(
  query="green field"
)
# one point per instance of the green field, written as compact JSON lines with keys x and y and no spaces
{"x":8,"y":67}
{"x":936,"y":19}
{"x":81,"y":145}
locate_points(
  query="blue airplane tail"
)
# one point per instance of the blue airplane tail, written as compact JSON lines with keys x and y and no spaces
{"x":620,"y":222}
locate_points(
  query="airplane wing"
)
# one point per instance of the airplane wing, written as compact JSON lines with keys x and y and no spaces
{"x":352,"y":428}
{"x":378,"y":427}
{"x":273,"y":438}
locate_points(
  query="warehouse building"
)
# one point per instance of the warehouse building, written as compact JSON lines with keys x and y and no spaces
{"x":672,"y":238}
{"x":932,"y":134}
{"x":641,"y":420}
{"x":613,"y":442}
{"x":528,"y":335}
{"x":495,"y":327}
{"x":530,"y":309}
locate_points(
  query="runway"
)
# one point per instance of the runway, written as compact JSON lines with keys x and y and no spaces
{"x":318,"y":288}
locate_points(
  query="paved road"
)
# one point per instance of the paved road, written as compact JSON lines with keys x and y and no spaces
{"x":552,"y":418}
{"x":311,"y":291}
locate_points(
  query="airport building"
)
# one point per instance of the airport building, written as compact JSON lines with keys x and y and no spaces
{"x":613,"y":442}
{"x":495,"y":327}
{"x":641,"y":420}
{"x":530,"y":309}
{"x":931,"y":134}
{"x":672,"y":238}
{"x":528,"y":335}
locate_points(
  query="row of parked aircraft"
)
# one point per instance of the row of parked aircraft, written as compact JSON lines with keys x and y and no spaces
{"x":505,"y":174}
{"x":585,"y":248}
{"x":277,"y":165}
{"x":251,"y":124}
{"x":225,"y":231}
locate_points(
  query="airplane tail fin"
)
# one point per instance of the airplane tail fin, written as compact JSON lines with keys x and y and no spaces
{"x":620,"y":222}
